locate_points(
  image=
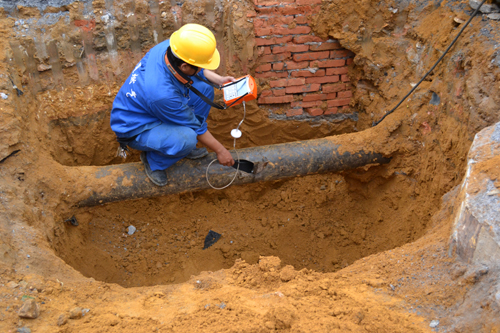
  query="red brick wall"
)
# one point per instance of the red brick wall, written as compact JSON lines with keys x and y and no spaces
{"x":306,"y":73}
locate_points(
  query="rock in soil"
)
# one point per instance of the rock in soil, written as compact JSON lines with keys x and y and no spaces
{"x":30,"y":309}
{"x":63,"y":319}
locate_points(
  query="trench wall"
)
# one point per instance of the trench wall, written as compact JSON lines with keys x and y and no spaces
{"x":299,"y":72}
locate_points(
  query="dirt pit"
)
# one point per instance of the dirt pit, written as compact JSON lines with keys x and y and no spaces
{"x":364,"y":250}
{"x":316,"y":222}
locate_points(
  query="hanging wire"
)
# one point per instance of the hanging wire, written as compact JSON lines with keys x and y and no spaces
{"x":237,"y":156}
{"x":375,"y":123}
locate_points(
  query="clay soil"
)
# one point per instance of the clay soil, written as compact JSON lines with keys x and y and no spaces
{"x":366,"y":250}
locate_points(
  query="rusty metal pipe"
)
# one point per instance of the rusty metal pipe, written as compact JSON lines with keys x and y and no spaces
{"x":272,"y":162}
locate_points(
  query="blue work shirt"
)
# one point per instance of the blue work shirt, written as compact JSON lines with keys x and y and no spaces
{"x":151,"y":96}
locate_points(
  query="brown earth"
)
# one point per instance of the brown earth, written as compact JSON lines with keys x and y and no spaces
{"x":362,"y":251}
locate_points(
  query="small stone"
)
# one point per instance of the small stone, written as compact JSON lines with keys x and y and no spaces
{"x":23,"y":330}
{"x":12,"y":285}
{"x":75,"y":313}
{"x":44,"y":67}
{"x":458,"y":20}
{"x":494,"y":16}
{"x":434,"y":324}
{"x":131,"y":230}
{"x":30,"y":309}
{"x":63,"y":319}
{"x":4,"y":96}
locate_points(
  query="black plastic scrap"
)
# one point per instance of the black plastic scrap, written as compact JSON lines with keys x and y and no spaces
{"x":211,"y":239}
{"x":72,"y":220}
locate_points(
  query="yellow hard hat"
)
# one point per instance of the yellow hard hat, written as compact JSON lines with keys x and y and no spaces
{"x":195,"y":44}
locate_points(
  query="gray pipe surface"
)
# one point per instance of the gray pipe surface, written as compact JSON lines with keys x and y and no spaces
{"x":271,"y":162}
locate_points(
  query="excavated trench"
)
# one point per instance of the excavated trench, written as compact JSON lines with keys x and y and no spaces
{"x":318,"y":222}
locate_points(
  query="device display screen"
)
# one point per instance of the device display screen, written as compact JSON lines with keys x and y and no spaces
{"x":236,"y":90}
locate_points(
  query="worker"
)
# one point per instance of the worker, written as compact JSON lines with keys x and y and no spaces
{"x":156,"y":112}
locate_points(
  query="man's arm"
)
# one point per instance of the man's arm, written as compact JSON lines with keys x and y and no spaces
{"x":216,"y":78}
{"x":223,"y":154}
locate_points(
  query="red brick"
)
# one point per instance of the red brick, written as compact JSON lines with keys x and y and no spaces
{"x":297,"y":48}
{"x":279,"y":92}
{"x":267,"y":10}
{"x":308,"y":2}
{"x":291,"y":31}
{"x":320,"y":72}
{"x":263,"y":31}
{"x":307,"y":39}
{"x":278,"y":66}
{"x":314,"y":97}
{"x":330,"y":88}
{"x":331,"y":110}
{"x":311,"y":56}
{"x":266,"y":93}
{"x":252,"y":14}
{"x":275,"y":57}
{"x":303,"y":89}
{"x":337,"y":71}
{"x":263,"y":68}
{"x":339,"y":102}
{"x":346,"y":109}
{"x":259,"y":23}
{"x":264,"y":50}
{"x":294,"y":112}
{"x":276,"y":100}
{"x":273,"y":40}
{"x":287,"y":83}
{"x":325,"y":46}
{"x":315,"y":112}
{"x":340,"y":54}
{"x":267,"y":75}
{"x":331,"y":96}
{"x":301,"y":19}
{"x":278,"y":49}
{"x":344,"y":94}
{"x":296,"y":65}
{"x":329,"y":63}
{"x":323,"y":79}
{"x":345,"y":78}
{"x":295,"y":10}
{"x":290,"y":48}
{"x":305,"y":104}
{"x":349,"y":61}
{"x":272,"y":20}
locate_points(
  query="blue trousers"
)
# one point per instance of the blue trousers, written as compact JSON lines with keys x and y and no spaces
{"x":168,"y":143}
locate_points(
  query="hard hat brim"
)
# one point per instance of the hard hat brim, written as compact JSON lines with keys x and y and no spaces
{"x":214,"y":62}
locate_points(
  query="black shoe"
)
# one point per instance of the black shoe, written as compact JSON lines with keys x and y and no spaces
{"x":158,"y":177}
{"x":197,"y":153}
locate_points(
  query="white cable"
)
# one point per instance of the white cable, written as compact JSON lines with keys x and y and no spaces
{"x":235,"y":131}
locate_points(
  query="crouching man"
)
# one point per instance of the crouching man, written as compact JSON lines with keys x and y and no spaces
{"x":157,"y":113}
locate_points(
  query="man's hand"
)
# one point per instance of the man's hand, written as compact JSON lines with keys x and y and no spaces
{"x":225,"y":158}
{"x":216,"y":78}
{"x":226,"y":79}
{"x":223,"y":154}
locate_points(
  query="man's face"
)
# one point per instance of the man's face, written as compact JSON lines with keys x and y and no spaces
{"x":189,"y":70}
